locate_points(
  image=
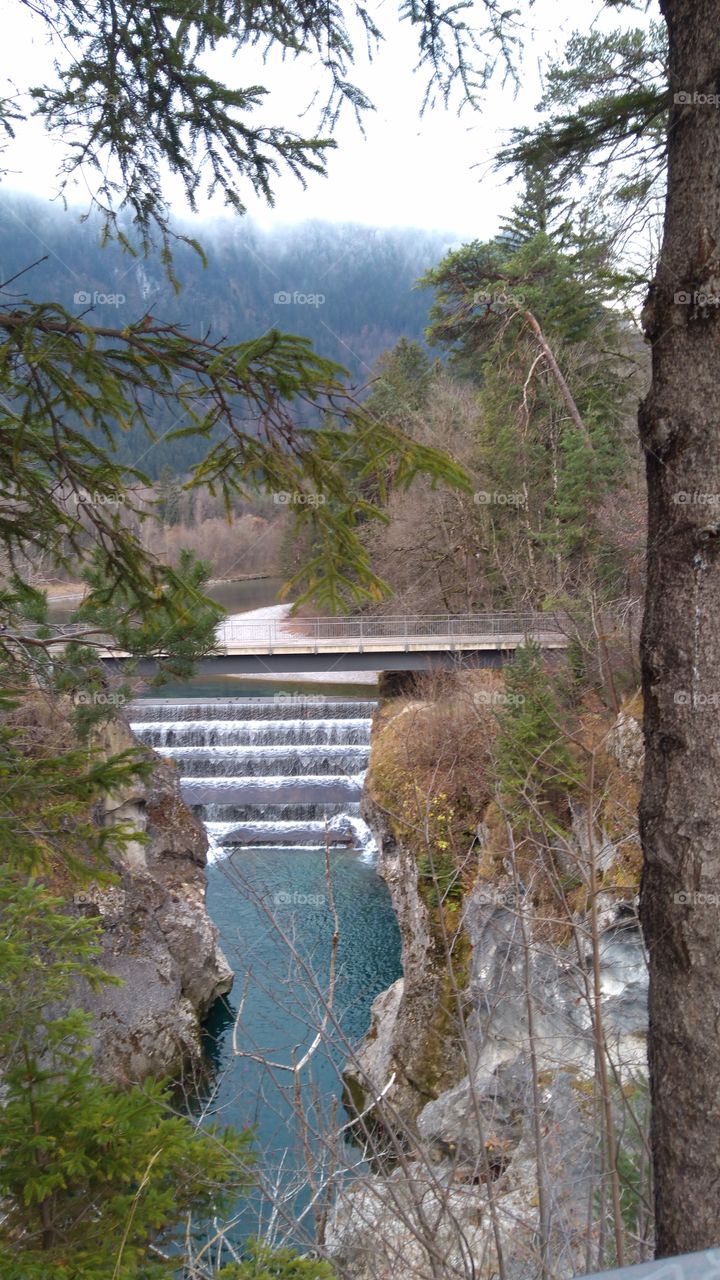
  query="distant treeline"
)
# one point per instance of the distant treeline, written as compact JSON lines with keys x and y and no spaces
{"x":348,"y":288}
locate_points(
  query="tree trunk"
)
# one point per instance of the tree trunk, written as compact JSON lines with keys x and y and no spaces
{"x":680,"y":807}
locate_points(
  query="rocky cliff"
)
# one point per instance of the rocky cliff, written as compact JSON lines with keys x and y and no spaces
{"x":156,"y":934}
{"x":411,"y":1034}
{"x":491,"y":1092}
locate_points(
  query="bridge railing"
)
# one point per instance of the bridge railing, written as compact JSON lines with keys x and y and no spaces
{"x":305,"y":632}
{"x":309,"y":633}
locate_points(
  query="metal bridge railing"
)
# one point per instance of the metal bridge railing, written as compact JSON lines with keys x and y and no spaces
{"x":307,"y":634}
{"x":446,"y":628}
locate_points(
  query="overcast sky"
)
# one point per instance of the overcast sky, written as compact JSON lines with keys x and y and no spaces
{"x":434,"y":172}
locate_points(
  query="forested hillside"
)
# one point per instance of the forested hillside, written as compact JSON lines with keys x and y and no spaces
{"x":350,"y":289}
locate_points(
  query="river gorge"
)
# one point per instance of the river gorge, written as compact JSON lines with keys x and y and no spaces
{"x":448,"y":999}
{"x":272,"y":778}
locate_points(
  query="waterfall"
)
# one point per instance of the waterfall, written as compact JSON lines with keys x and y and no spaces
{"x":266,"y":771}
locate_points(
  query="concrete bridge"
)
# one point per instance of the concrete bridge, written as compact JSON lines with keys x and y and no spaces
{"x":400,"y":643}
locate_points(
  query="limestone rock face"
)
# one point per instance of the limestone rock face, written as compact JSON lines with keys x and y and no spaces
{"x":156,"y":934}
{"x":428,"y":1220}
{"x":372,"y":1070}
{"x":408,"y":1036}
{"x":481,"y":1129}
{"x":626,"y":742}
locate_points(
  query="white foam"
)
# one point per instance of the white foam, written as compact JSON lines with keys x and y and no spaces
{"x":364,"y":838}
{"x":222,"y":836}
{"x":269,"y":751}
{"x":275,"y":782}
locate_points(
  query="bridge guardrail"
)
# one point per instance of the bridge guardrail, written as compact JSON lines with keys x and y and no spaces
{"x":308,"y":633}
{"x":446,"y":628}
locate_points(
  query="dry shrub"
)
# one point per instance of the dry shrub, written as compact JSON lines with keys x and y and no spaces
{"x":430,"y":764}
{"x":247,"y":547}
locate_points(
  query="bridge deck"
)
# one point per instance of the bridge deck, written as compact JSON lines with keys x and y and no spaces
{"x":495,"y":631}
{"x":392,"y":644}
{"x":251,"y":644}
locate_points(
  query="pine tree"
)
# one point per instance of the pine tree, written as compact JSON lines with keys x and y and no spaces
{"x":541,"y":209}
{"x":535,"y":765}
{"x":606,"y":98}
{"x":401,"y":385}
{"x":95,"y":1180}
{"x":543,"y":475}
{"x":169,"y":496}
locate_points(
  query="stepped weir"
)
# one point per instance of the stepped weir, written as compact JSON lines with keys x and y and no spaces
{"x":266,"y":771}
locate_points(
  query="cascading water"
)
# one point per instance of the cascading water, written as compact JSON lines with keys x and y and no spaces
{"x":269,"y":777}
{"x":267,"y":771}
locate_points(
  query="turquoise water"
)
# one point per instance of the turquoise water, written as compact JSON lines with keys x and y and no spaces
{"x":272,"y":907}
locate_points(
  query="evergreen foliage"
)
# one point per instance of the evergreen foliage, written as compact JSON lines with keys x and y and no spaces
{"x":74,"y":387}
{"x":52,"y":781}
{"x":133,"y":96}
{"x":400,"y":387}
{"x":94,"y":1179}
{"x":535,"y":767}
{"x":544,"y":474}
{"x":170,"y":494}
{"x":605,"y":110}
{"x":361,"y":279}
{"x":262,"y":1263}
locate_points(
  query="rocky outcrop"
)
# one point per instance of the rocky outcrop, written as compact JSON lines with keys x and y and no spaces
{"x":156,"y":934}
{"x":626,"y":742}
{"x":410,"y":1035}
{"x":525,"y":1065}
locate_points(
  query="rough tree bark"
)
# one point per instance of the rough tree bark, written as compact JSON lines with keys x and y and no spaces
{"x":680,"y":808}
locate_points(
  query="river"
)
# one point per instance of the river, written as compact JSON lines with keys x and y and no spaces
{"x":265,"y":765}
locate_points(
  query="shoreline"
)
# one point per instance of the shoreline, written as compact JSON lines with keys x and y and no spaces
{"x":75,"y":590}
